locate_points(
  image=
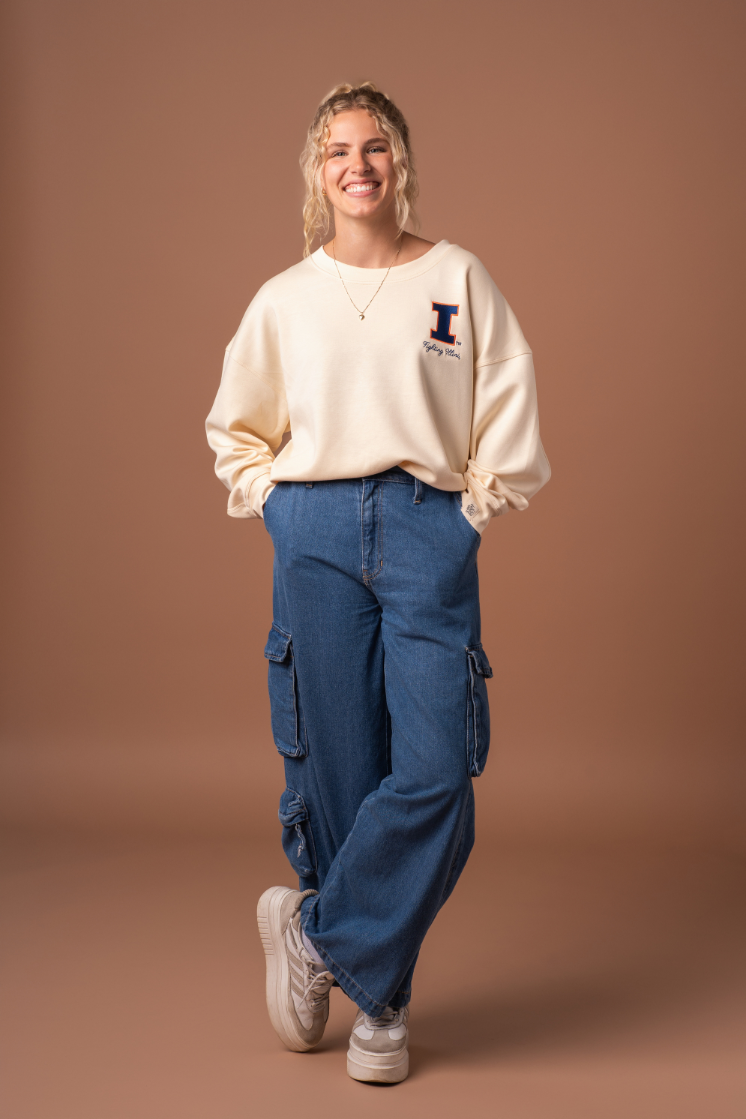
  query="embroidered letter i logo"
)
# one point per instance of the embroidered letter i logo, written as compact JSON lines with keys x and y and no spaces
{"x":442,"y":332}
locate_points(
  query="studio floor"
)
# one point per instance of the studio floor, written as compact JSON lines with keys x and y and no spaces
{"x":558,"y":983}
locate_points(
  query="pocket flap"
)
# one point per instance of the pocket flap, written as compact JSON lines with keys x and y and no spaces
{"x":292,"y":808}
{"x":479,"y":660}
{"x":278,"y":644}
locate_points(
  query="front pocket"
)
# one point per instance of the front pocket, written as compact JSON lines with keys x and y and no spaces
{"x":477,"y":710}
{"x":297,"y":837}
{"x":288,"y":725}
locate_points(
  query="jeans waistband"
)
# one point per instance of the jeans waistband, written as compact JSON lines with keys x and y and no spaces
{"x":394,"y":474}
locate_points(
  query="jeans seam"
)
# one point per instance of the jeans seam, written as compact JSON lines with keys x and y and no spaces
{"x":370,"y":576}
{"x":469,"y":705}
{"x":457,"y":852}
{"x":473,"y":716}
{"x":298,"y":743}
{"x":380,"y":528}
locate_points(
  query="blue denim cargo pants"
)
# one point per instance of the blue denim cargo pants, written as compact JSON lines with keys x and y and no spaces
{"x":379,"y":709}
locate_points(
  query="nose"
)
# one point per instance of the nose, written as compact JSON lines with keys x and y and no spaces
{"x":360,"y":163}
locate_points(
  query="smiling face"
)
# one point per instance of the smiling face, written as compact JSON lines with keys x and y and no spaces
{"x":359,"y":175}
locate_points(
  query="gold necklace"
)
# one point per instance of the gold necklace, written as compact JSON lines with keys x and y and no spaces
{"x":375,"y":293}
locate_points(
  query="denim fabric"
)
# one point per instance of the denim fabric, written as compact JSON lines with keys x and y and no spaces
{"x":379,"y":708}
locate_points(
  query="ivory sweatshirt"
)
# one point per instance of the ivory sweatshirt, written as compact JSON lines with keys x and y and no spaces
{"x":436,"y":378}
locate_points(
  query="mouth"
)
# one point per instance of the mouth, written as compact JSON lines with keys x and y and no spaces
{"x":362,"y":188}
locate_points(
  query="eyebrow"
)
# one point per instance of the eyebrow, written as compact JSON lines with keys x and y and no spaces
{"x":344,"y":144}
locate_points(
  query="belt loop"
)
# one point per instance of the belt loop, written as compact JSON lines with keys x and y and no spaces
{"x":309,"y":485}
{"x":417,"y":491}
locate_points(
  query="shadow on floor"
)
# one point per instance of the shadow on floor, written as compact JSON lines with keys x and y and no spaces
{"x":558,"y":1016}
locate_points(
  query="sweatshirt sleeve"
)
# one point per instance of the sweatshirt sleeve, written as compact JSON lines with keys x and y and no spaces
{"x":507,"y":464}
{"x":250,"y":413}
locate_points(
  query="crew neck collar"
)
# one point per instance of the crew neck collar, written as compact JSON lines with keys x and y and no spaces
{"x":398,"y":272}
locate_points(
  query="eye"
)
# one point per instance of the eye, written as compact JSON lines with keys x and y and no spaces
{"x":376,"y":149}
{"x":337,"y":153}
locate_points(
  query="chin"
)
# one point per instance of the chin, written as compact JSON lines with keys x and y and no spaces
{"x":368,"y":205}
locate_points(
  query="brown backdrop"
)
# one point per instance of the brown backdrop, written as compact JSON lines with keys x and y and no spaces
{"x":591,"y":963}
{"x":589,"y":155}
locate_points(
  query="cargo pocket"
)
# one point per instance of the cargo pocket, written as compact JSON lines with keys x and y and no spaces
{"x":478,"y":710}
{"x":297,"y":837}
{"x":288,"y":725}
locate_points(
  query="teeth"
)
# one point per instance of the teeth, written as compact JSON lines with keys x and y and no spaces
{"x":356,"y":188}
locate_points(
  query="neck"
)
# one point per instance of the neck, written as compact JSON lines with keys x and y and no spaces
{"x":364,"y":244}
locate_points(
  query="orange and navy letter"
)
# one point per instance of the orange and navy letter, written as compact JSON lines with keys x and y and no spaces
{"x":442,"y":332}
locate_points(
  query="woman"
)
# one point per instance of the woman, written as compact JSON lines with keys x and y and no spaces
{"x":408,"y":388}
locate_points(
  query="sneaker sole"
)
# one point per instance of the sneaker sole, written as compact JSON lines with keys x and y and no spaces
{"x":374,"y":1069}
{"x":278,"y":971}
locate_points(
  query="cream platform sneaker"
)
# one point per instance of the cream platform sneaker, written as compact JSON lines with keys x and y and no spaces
{"x":297,"y":988}
{"x":378,"y":1047}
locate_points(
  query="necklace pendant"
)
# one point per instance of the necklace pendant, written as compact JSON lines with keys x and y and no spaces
{"x":362,"y":317}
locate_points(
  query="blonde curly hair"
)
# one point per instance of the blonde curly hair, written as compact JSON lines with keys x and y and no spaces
{"x":317,"y":209}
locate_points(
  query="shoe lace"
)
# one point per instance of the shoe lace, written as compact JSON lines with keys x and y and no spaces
{"x":316,"y":987}
{"x":316,"y":983}
{"x":388,"y":1019}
